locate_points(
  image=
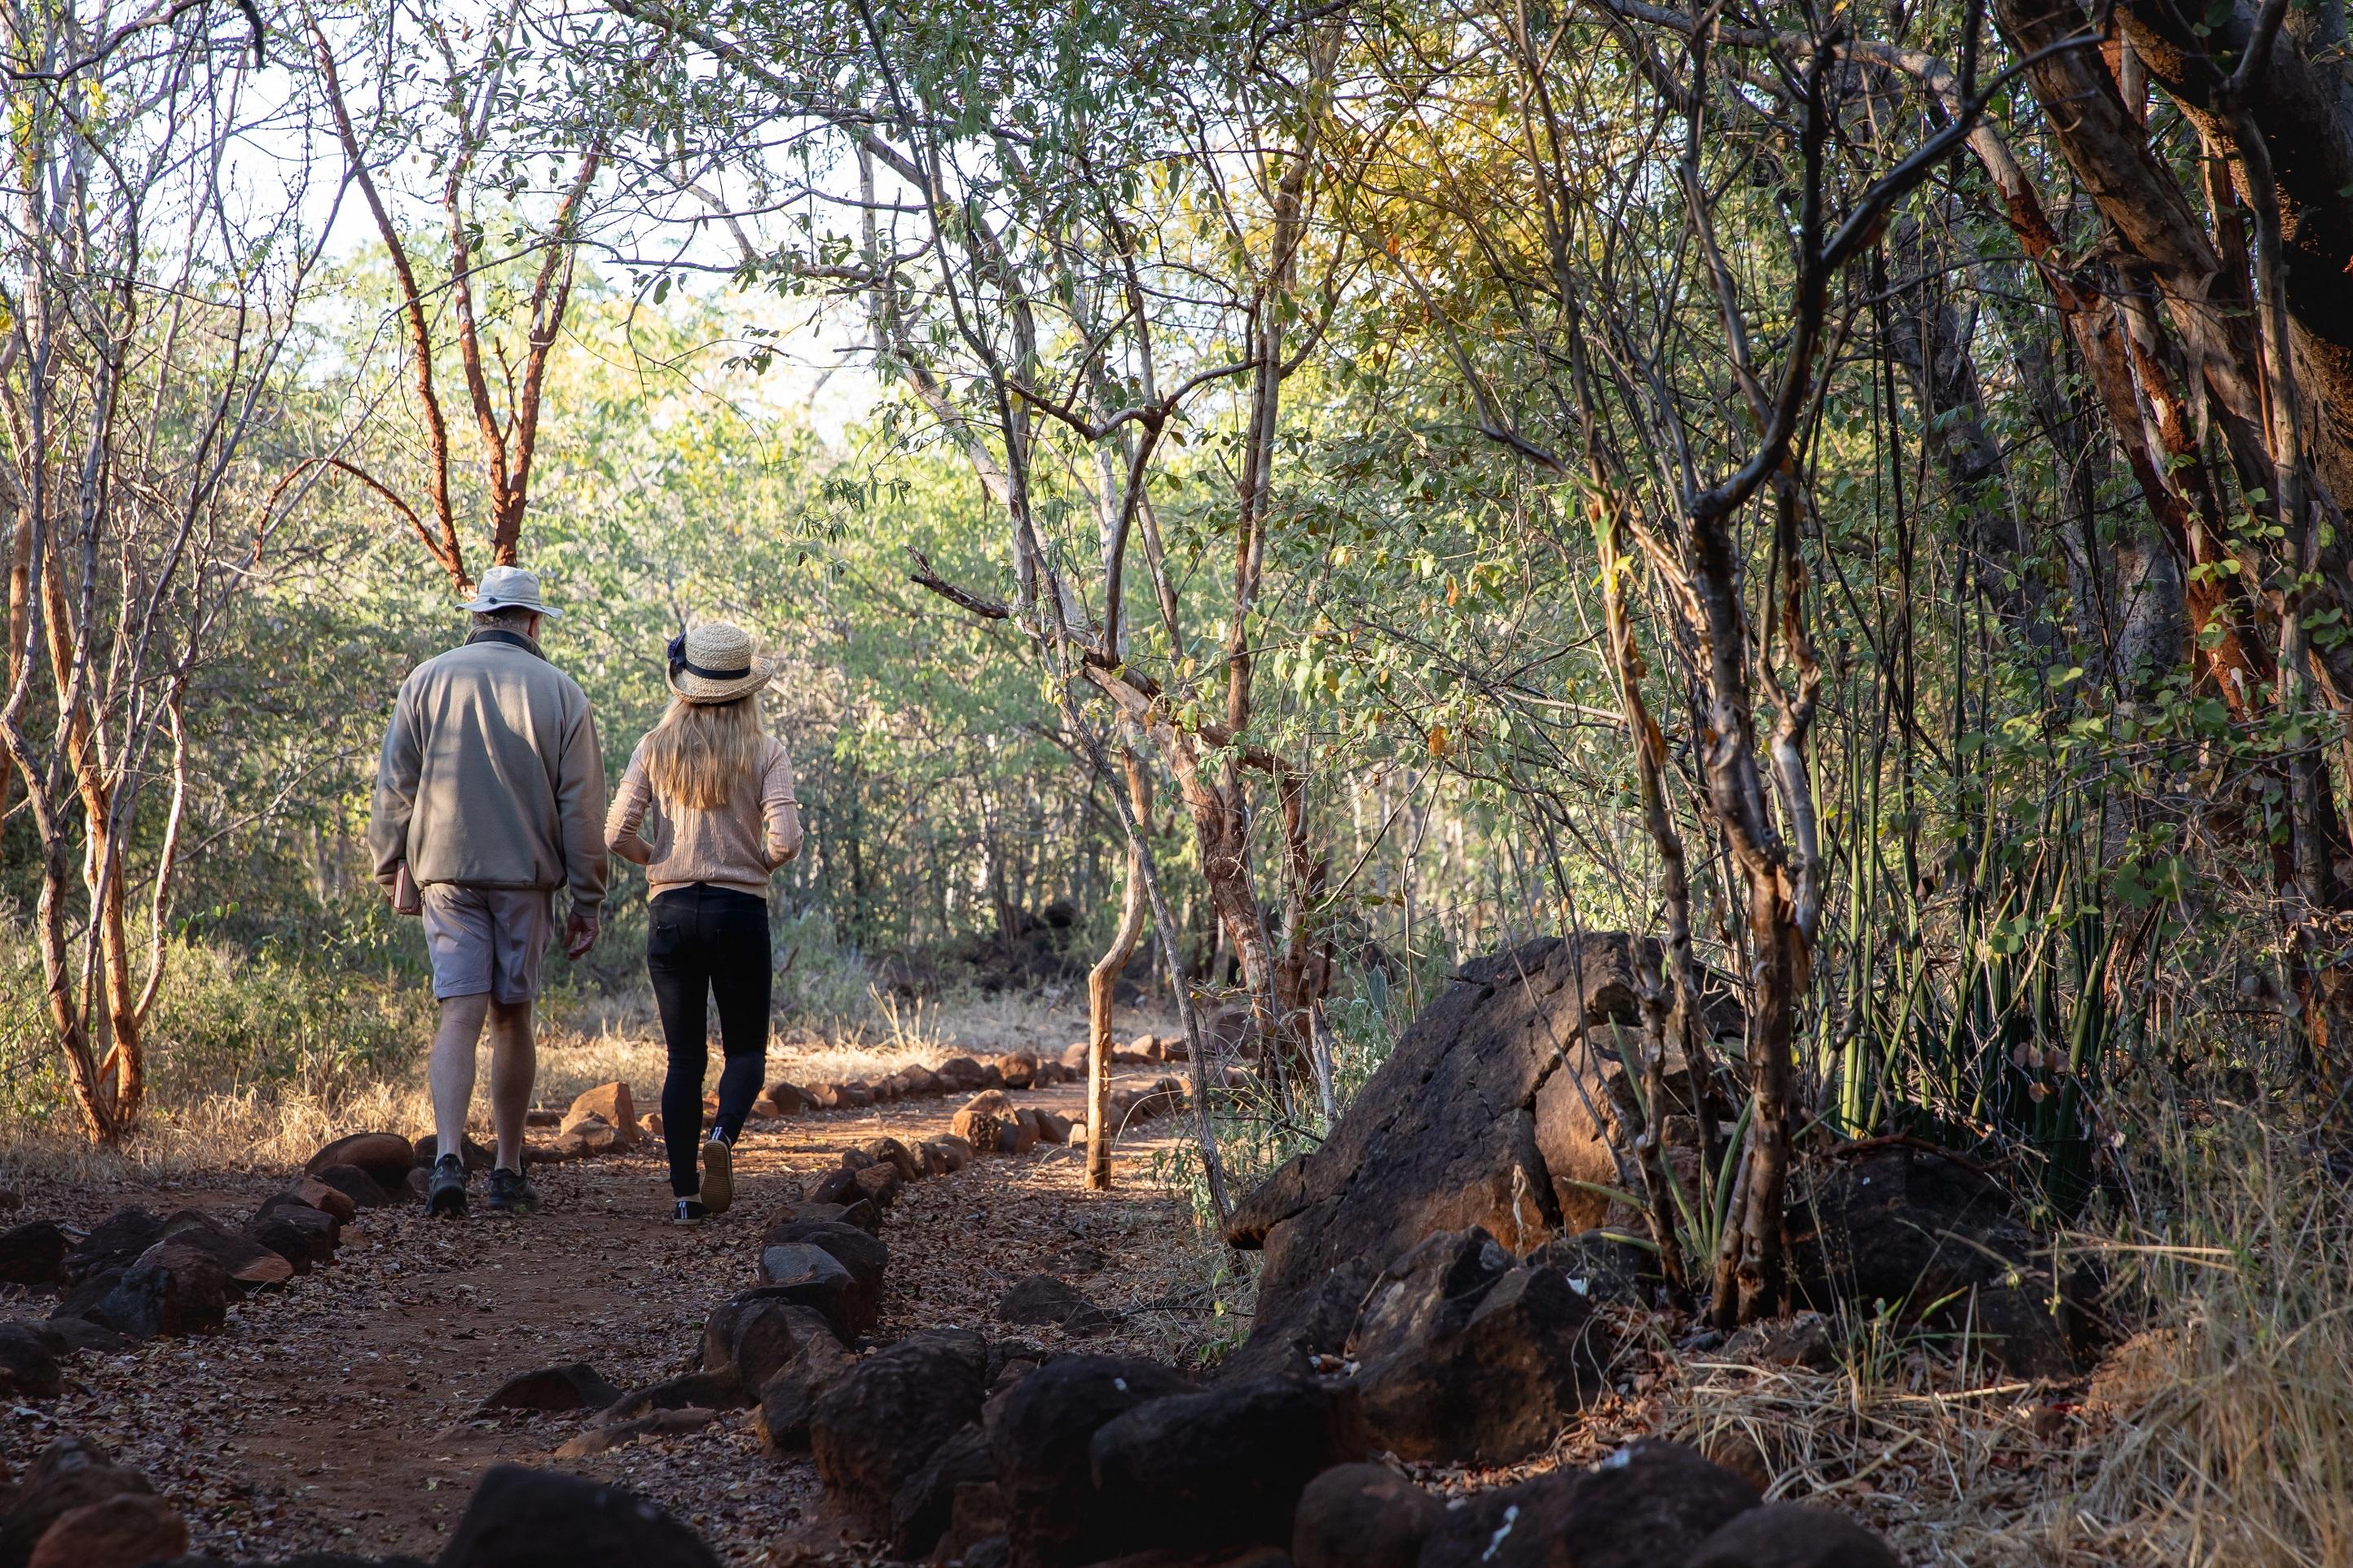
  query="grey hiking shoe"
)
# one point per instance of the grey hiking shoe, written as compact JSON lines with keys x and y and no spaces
{"x":447,"y":1195}
{"x":511,"y":1194}
{"x":718,"y":1175}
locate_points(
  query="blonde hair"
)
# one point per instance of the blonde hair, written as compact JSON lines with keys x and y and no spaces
{"x":701,"y":751}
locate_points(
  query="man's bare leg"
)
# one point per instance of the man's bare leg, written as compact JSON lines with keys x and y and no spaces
{"x":452,"y":1069}
{"x":514,"y":1065}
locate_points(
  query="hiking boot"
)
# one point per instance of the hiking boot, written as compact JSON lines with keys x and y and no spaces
{"x":509,"y":1193}
{"x":689,"y":1211}
{"x":447,"y":1194}
{"x":718,"y":1175}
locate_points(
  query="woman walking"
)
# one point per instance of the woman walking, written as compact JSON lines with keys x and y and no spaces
{"x":707,"y":808}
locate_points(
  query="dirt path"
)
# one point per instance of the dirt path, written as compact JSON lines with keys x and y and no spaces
{"x":337,"y":1412}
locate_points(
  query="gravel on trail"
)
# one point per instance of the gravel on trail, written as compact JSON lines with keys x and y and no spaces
{"x":339,"y":1412}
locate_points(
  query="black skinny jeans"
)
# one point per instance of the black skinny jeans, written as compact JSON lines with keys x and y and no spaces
{"x":701,"y":941}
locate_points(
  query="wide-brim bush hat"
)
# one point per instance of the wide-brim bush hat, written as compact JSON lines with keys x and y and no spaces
{"x":510,"y":588}
{"x":715,"y":663}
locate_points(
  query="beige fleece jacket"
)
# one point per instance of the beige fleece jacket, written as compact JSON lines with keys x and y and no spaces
{"x":492,"y":775}
{"x":736,"y":846}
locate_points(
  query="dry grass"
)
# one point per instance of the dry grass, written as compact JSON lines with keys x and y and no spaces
{"x":2220,"y":1433}
{"x":241,"y":1127}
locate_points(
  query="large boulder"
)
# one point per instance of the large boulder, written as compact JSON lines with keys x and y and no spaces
{"x":1039,"y":1434}
{"x":520,"y":1518}
{"x":1938,"y":1242}
{"x":875,"y":1427}
{"x":1225,"y":1467}
{"x":1487,"y":1114}
{"x":1648,"y":1504}
{"x":1465,"y":1357}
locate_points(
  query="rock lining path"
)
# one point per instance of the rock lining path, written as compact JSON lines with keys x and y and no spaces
{"x":336,"y":1413}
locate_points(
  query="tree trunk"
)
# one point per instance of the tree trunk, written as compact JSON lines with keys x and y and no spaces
{"x":1104,"y":978}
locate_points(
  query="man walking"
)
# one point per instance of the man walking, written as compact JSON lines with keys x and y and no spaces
{"x":490,"y":795}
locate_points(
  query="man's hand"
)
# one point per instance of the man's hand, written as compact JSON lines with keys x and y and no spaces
{"x":579,"y":936}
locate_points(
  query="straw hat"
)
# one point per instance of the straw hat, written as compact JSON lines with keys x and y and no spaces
{"x":713,"y":663}
{"x":510,"y":588}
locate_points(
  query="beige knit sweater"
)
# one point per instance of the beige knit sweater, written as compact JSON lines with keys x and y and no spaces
{"x":736,"y":846}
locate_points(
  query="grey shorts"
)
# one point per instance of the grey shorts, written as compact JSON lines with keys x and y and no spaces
{"x":488,"y":939}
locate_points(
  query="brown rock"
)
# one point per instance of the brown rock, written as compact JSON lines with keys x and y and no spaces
{"x":71,"y":1473}
{"x":477,"y":1158}
{"x":575,"y":1385}
{"x":325,"y":1199}
{"x":172,"y":1289}
{"x":1075,"y":1057}
{"x":1053,"y":1127}
{"x":1791,"y":1535}
{"x":122,"y":1531}
{"x":1042,"y":1299}
{"x":246,"y":1262}
{"x":613,"y":1105}
{"x":1460,"y":1128}
{"x":962,"y":1075}
{"x":364,"y":1190}
{"x":1040,"y":1432}
{"x":786,"y":1097}
{"x":33,"y":1255}
{"x":874,"y":1426}
{"x":1648,"y":1504}
{"x":788,"y":1399}
{"x":1019,"y":1067}
{"x":1362,"y":1516}
{"x":1464,"y":1357}
{"x":592,"y":1134}
{"x":28,"y":1361}
{"x":386,"y":1156}
{"x":1222,"y":1468}
{"x":751,"y":1336}
{"x":112,"y":1244}
{"x":301,"y":1234}
{"x":985,"y":1119}
{"x":896,"y":1153}
{"x":879,"y":1183}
